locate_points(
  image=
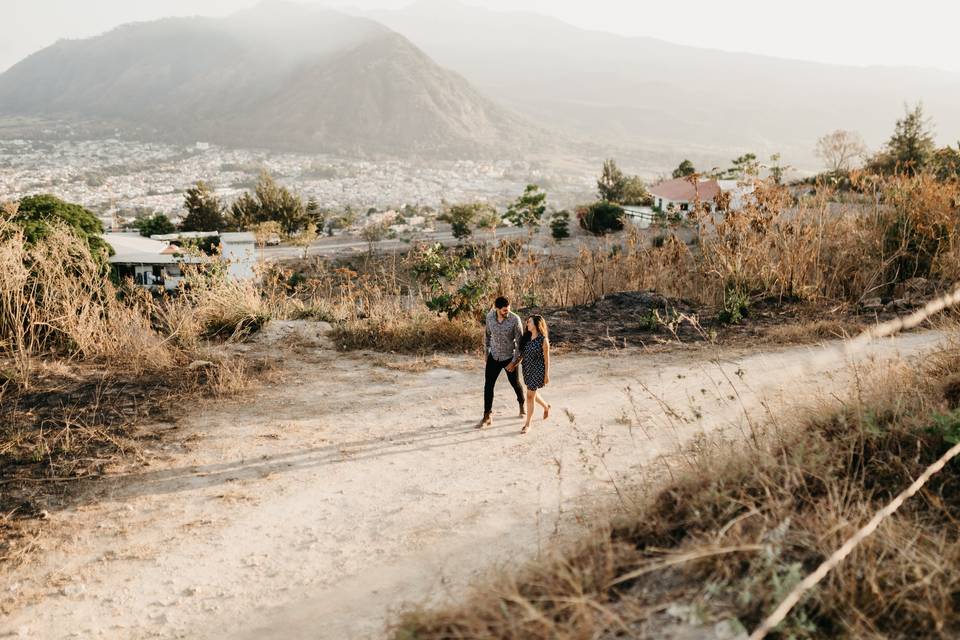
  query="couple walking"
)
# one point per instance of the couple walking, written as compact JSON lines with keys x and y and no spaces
{"x":505,"y":346}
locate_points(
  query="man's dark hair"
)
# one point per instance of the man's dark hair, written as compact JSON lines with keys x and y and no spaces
{"x":501,"y":302}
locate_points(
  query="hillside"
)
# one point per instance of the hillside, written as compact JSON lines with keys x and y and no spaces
{"x":652,"y":94}
{"x":279,"y":76}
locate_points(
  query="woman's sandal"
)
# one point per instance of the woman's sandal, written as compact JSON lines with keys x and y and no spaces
{"x":546,"y":411}
{"x":524,"y":430}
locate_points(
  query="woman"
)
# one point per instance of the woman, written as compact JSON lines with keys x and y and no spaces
{"x":535,"y":356}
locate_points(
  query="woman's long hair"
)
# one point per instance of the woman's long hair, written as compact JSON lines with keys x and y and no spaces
{"x":541,"y":326}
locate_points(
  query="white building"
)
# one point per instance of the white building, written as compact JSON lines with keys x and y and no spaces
{"x":152,"y":264}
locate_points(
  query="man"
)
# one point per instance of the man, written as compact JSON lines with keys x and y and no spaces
{"x":501,"y":348}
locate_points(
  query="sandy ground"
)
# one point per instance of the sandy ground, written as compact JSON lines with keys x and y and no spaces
{"x":319,"y":504}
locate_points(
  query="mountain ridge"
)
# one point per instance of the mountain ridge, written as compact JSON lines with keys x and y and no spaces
{"x":332,"y":83}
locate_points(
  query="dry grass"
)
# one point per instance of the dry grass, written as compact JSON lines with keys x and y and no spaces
{"x":418,"y":334}
{"x":811,"y":251}
{"x":742,"y":522}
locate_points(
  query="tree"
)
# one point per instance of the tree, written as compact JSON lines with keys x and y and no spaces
{"x":635,"y":192}
{"x":373,"y":233}
{"x":154,"y":225}
{"x":610,"y":185}
{"x":265,"y":233}
{"x":204,"y":211}
{"x":685,"y":169}
{"x":461,"y":218}
{"x":743,"y":166}
{"x":560,"y":225}
{"x":945,"y":163}
{"x":315,"y":215}
{"x":35,"y":215}
{"x":776,"y":169}
{"x":528,"y":209}
{"x":269,"y":202}
{"x":911,"y":146}
{"x":840,"y":151}
{"x":601,"y":217}
{"x":488,"y":219}
{"x":306,"y":237}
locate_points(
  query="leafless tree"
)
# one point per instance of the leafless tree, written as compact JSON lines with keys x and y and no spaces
{"x":840,"y":150}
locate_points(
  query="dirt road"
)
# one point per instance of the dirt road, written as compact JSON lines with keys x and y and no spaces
{"x":313,"y":507}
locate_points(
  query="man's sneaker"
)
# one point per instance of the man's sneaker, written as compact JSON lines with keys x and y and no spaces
{"x":485,"y":422}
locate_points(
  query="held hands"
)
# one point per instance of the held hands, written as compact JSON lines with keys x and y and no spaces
{"x":510,"y":367}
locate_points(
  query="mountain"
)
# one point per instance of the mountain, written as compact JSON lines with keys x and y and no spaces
{"x":647,"y":93}
{"x":279,"y":75}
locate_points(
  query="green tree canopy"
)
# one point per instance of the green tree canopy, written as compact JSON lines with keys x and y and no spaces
{"x":560,"y":225}
{"x":35,"y":214}
{"x":635,"y":192}
{"x":204,"y":210}
{"x":684,"y":169}
{"x":910,"y":148}
{"x":269,"y":202}
{"x":611,"y":183}
{"x":156,"y":224}
{"x":462,"y":217}
{"x":528,"y":209}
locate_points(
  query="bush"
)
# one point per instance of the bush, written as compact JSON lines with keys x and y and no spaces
{"x":414,"y":335}
{"x":38,"y":215}
{"x":601,"y":217}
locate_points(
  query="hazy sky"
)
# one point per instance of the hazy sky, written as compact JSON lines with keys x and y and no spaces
{"x":860,"y":32}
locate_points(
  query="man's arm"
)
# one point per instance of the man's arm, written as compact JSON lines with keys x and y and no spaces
{"x":517,"y":335}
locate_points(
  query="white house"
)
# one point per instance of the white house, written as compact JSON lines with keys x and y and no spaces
{"x":238,"y":249}
{"x":152,"y":264}
{"x":681,"y":194}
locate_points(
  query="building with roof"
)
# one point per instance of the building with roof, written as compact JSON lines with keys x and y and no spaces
{"x":151,"y":264}
{"x":682,"y":194}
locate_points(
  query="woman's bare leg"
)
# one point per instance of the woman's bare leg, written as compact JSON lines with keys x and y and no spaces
{"x":531,"y":400}
{"x":546,"y":406}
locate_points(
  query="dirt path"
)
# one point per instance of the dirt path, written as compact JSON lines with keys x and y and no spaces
{"x":313,"y":507}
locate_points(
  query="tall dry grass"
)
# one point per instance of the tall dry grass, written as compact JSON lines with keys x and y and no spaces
{"x":54,"y":297}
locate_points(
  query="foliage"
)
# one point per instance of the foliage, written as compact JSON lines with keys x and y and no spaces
{"x":269,"y":202}
{"x":911,"y":147}
{"x":742,"y":167}
{"x":528,"y":209}
{"x":440,"y":270}
{"x":635,"y":192}
{"x":611,"y":183}
{"x":560,"y":224}
{"x":601,"y":217}
{"x":315,"y":216}
{"x":37,"y":215}
{"x":204,"y":210}
{"x":945,"y":163}
{"x":736,"y":304}
{"x":374,"y":232}
{"x":463,"y":217}
{"x":307,"y":236}
{"x":684,"y":169}
{"x":157,"y":224}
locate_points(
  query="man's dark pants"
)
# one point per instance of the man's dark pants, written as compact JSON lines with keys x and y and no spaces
{"x":494,"y":367}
